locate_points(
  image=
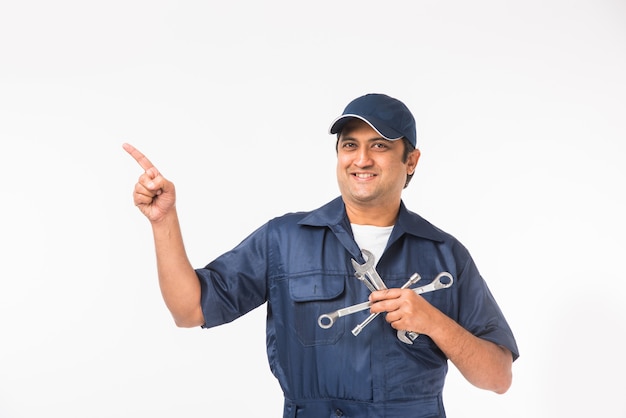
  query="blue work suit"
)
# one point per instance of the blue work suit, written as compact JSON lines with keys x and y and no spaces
{"x":300,"y":264}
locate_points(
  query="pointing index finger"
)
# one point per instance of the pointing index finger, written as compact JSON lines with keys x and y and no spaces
{"x":143,"y":161}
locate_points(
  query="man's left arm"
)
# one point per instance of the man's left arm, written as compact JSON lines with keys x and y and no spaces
{"x":483,"y":363}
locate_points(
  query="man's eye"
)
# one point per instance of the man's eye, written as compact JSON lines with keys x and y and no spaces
{"x":380,"y":145}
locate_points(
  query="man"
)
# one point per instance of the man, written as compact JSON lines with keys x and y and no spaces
{"x":301,"y":264}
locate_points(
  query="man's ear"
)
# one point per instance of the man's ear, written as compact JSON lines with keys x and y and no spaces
{"x":412,"y":160}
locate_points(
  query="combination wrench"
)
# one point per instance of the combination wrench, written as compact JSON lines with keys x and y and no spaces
{"x":327,"y":320}
{"x":357,"y":330}
{"x":408,"y":337}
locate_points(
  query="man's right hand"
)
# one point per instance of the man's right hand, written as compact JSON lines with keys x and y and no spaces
{"x":154,"y":195}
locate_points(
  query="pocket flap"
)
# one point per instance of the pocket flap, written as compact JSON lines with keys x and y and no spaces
{"x":315,"y":287}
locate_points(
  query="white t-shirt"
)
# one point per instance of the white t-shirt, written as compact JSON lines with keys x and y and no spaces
{"x":372,"y":238}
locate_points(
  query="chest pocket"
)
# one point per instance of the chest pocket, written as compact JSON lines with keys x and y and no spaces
{"x":312,"y":296}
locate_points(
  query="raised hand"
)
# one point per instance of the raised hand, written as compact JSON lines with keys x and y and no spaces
{"x":154,"y":195}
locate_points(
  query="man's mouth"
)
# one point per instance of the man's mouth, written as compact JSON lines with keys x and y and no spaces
{"x":363,"y":175}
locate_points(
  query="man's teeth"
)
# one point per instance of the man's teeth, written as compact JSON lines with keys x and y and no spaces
{"x":363,"y":176}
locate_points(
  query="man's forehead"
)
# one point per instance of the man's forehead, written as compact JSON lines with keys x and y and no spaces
{"x":357,"y":124}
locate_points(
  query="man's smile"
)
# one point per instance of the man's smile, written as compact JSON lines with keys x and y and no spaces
{"x":363,"y":175}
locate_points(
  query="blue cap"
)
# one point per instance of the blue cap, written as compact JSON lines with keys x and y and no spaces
{"x":386,"y":115}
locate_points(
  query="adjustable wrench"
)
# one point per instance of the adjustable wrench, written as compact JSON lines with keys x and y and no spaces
{"x":369,"y":276}
{"x":368,"y":270}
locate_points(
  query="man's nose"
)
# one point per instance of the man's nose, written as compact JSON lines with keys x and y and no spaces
{"x":363,"y":158}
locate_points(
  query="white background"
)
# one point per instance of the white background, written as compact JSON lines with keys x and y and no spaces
{"x":521,"y":108}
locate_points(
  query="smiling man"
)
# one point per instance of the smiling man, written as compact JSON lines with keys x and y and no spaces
{"x":303,"y":265}
{"x":371,"y":172}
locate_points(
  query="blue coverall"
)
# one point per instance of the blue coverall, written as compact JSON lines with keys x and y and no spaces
{"x":300,"y":265}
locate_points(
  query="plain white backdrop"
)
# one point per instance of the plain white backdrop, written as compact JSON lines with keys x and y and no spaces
{"x":521,"y":108}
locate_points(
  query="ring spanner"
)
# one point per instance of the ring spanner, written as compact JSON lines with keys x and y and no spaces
{"x":357,"y":330}
{"x":326,"y":321}
{"x":408,"y":337}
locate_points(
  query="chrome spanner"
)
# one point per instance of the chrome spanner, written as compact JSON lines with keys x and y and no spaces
{"x":368,"y":270}
{"x":408,"y":337}
{"x":369,"y":276}
{"x":357,"y":330}
{"x":327,"y":320}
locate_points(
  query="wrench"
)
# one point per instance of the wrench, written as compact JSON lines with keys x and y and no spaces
{"x":357,"y":330}
{"x":327,"y":320}
{"x":362,"y":272}
{"x":408,"y":337}
{"x":368,"y":270}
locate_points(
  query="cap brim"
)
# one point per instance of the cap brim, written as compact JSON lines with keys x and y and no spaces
{"x":377,"y":125}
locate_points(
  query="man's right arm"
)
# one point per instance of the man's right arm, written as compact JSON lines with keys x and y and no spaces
{"x":155,"y":197}
{"x":178,"y":281}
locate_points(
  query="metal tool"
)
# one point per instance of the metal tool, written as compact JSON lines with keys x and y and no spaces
{"x":408,"y":337}
{"x":367,"y":271}
{"x":327,"y":320}
{"x":369,"y":276}
{"x":357,"y":330}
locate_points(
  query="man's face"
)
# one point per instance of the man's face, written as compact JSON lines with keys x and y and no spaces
{"x":370,"y":171}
